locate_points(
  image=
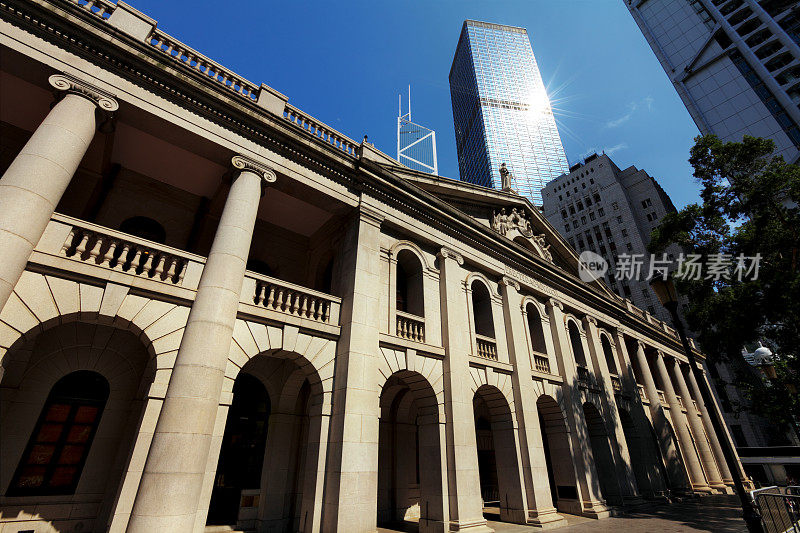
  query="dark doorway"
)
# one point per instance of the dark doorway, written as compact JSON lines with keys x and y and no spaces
{"x":241,"y":457}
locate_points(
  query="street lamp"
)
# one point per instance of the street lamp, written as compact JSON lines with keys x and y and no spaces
{"x":668,"y":296}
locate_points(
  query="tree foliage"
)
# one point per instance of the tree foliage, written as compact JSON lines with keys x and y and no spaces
{"x":749,"y":206}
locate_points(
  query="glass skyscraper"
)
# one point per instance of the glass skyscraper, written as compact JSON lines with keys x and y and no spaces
{"x":501,"y":111}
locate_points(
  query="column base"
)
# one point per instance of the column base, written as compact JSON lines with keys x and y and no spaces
{"x":595,"y":509}
{"x":547,"y":519}
{"x":472,"y":526}
{"x":702,"y":489}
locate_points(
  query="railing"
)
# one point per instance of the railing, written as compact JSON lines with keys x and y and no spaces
{"x":541,"y":363}
{"x":583,"y":375}
{"x":779,"y":510}
{"x":194,"y":60}
{"x":118,"y":251}
{"x":616,"y":384}
{"x":411,"y":327}
{"x":283,"y":297}
{"x":642,"y":393}
{"x":662,"y":399}
{"x":101,"y":9}
{"x":320,"y":130}
{"x":680,"y":402}
{"x":486,"y":346}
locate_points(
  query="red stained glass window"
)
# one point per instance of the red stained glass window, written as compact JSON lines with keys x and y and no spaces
{"x":55,"y":455}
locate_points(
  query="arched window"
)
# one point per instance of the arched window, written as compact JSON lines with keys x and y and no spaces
{"x":144,"y":227}
{"x":577,"y":345}
{"x":409,"y":290}
{"x":535,"y":328}
{"x":60,"y":442}
{"x":482,"y":310}
{"x":609,"y":353}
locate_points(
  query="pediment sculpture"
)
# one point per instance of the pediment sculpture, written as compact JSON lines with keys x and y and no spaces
{"x":516,"y":226}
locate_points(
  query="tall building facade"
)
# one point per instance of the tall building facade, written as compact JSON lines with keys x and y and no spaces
{"x":599,"y":207}
{"x":217,"y":310}
{"x":734,"y":63}
{"x":502,"y":112}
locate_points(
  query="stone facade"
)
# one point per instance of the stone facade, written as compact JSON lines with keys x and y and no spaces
{"x":215,"y":310}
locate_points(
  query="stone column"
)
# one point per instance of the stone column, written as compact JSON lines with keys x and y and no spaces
{"x":696,"y":426}
{"x":725,"y":472}
{"x":592,"y":503}
{"x":169,"y":491}
{"x":33,"y":185}
{"x":618,"y":445}
{"x":675,"y":471}
{"x":351,"y":481}
{"x":538,"y":503}
{"x":464,"y":487}
{"x":648,"y":453}
{"x":691,"y":460}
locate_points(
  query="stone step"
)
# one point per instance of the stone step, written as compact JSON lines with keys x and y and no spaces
{"x":222,"y":529}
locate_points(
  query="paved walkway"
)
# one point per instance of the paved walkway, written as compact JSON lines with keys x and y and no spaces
{"x":718,"y":514}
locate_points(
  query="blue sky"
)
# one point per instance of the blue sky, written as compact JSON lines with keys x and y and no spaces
{"x":346,"y":62}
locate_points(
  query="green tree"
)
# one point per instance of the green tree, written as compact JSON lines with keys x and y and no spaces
{"x":749,"y":206}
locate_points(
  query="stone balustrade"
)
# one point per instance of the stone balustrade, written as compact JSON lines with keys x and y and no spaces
{"x":541,"y":363}
{"x":410,"y":327}
{"x":662,"y":398}
{"x":101,"y":9}
{"x":642,"y":393}
{"x":320,"y":130}
{"x":487,"y":347}
{"x":294,"y":300}
{"x":680,"y":402}
{"x":583,"y":375}
{"x":119,"y":251}
{"x":194,"y":60}
{"x":616,"y":384}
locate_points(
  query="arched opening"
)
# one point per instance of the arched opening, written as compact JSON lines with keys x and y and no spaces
{"x":272,"y":449}
{"x":410,"y":477}
{"x":409,"y":291}
{"x":608,"y":352}
{"x":145,"y":228}
{"x":482,"y":310}
{"x":558,"y":456}
{"x":535,"y":328}
{"x":600,"y":452}
{"x":241,"y":456}
{"x":645,"y":457}
{"x":56,"y":452}
{"x":324,"y":278}
{"x":577,"y":345}
{"x":72,"y":403}
{"x":498,"y":466}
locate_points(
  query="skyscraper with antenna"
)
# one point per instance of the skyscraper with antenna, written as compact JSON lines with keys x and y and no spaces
{"x":416,"y":145}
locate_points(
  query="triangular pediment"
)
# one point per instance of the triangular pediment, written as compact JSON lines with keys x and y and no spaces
{"x":510,"y":215}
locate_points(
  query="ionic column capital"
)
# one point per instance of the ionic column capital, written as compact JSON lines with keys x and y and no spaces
{"x":590,"y":320}
{"x":447,"y":253}
{"x":66,"y":84}
{"x":509,"y":282}
{"x":553,"y":303}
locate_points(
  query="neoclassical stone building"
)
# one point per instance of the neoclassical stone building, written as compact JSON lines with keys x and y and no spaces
{"x":217,"y":310}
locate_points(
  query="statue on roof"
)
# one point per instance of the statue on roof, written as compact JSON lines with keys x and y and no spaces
{"x":505,"y":178}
